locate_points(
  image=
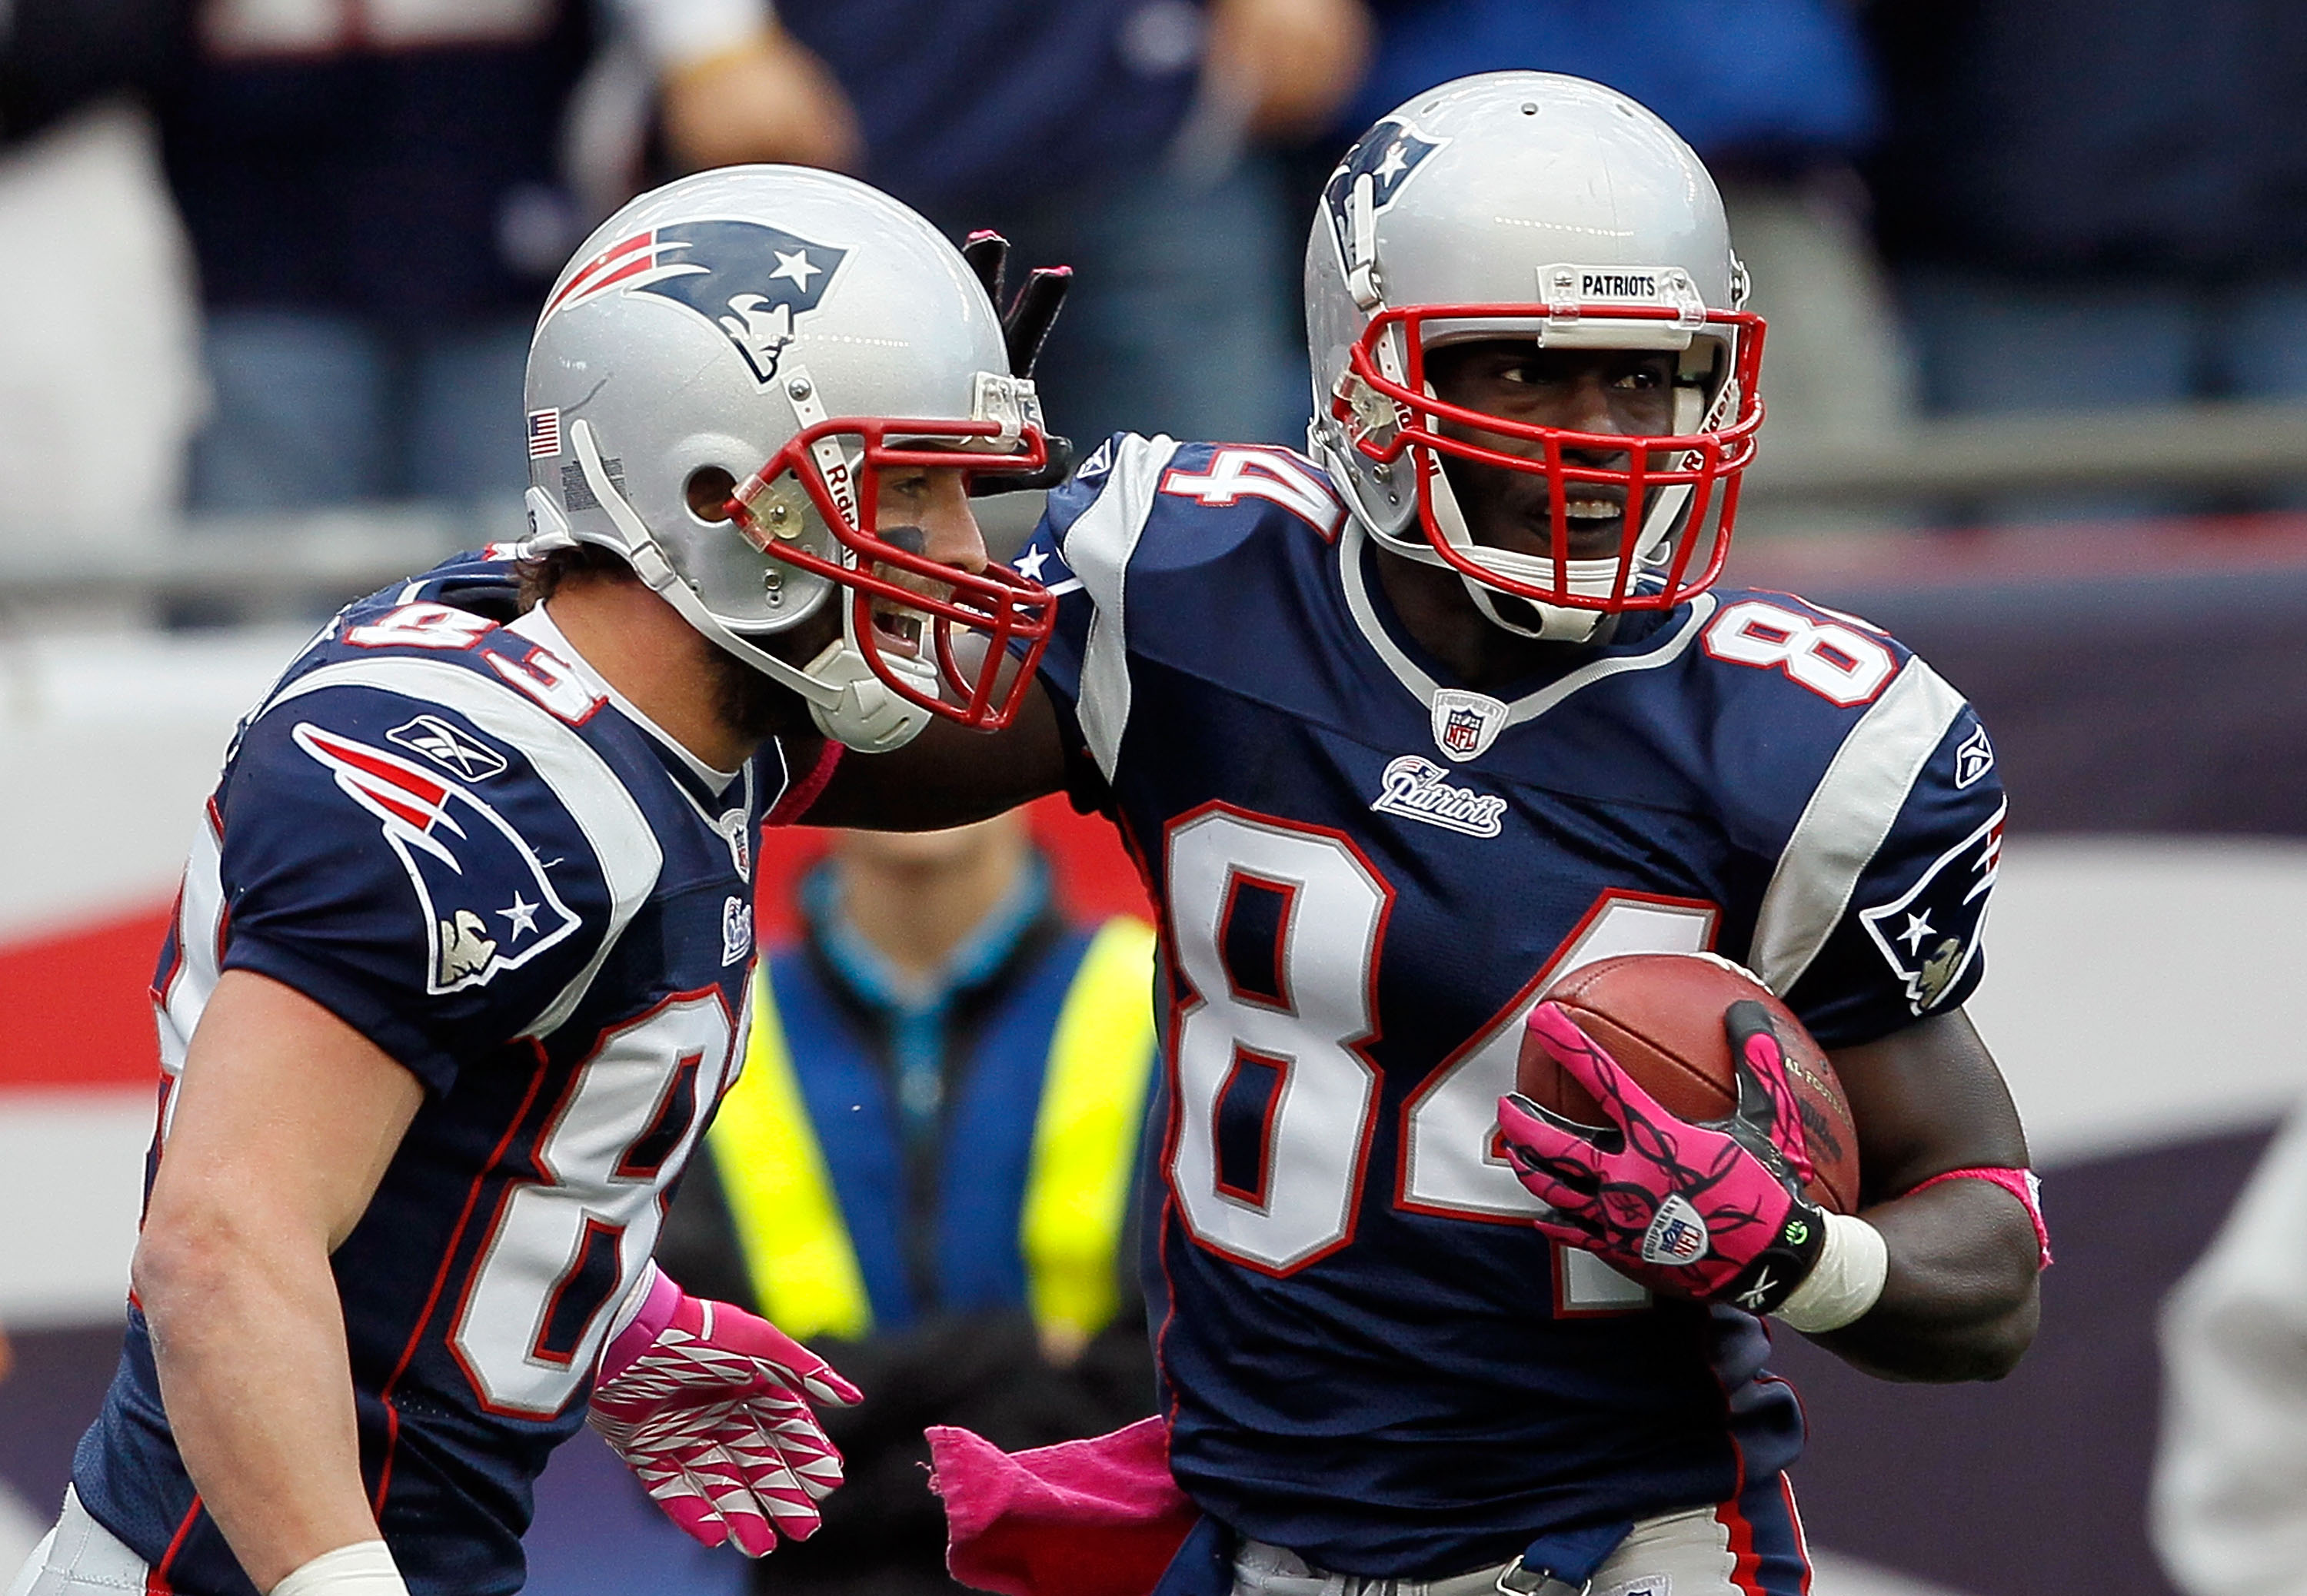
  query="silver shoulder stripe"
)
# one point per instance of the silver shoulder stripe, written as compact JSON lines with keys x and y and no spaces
{"x":1851,"y":812}
{"x":1098,"y":546}
{"x":594,"y":795}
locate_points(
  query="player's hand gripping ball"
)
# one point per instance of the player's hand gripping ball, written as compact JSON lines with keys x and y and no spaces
{"x":713,"y":1417}
{"x":1660,"y":1018}
{"x":1712,"y":1211}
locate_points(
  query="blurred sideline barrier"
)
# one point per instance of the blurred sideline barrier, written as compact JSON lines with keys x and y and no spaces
{"x":2221,"y":449}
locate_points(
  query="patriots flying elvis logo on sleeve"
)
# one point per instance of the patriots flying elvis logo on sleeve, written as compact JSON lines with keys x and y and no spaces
{"x":747,"y":278}
{"x":1929,"y":934}
{"x":486,"y":903}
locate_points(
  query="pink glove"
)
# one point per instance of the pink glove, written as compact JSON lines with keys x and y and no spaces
{"x":703,"y":1401}
{"x":1712,"y":1212}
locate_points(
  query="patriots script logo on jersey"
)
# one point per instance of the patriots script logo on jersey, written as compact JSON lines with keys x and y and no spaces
{"x":1419,"y":790}
{"x":1389,"y":155}
{"x":746,"y":278}
{"x":1930,"y":932}
{"x":486,"y":903}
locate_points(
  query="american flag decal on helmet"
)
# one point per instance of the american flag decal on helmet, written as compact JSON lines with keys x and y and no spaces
{"x":544,"y":434}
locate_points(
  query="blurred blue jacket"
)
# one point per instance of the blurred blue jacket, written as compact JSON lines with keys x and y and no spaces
{"x":967,"y":106}
{"x":1756,"y":82}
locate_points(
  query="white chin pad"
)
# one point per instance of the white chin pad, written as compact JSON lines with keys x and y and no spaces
{"x":1557,"y":623}
{"x":865,"y":715}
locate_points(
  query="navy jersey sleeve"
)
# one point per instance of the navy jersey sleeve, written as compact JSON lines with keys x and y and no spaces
{"x":1871,"y":786}
{"x":407,"y":871}
{"x":1907,"y":943}
{"x":1050,"y":555}
{"x":1140,"y":549}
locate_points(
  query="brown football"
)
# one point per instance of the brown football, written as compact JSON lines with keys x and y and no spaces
{"x":1660,"y":1016}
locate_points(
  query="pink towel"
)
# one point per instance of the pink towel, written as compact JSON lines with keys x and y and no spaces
{"x":1100,"y":1517}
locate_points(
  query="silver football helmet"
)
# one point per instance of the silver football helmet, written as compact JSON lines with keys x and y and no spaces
{"x":1530,"y":206}
{"x":715,"y":380}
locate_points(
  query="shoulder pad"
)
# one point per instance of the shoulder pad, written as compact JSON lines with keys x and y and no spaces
{"x":1155,"y":503}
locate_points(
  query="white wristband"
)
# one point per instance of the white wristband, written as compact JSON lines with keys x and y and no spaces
{"x":364,"y":1568}
{"x":1845,"y":1282}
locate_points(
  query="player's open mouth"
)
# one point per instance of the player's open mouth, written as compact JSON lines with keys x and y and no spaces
{"x":898,"y":627}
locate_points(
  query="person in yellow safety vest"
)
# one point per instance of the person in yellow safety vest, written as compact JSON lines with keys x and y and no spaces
{"x":930,"y":1160}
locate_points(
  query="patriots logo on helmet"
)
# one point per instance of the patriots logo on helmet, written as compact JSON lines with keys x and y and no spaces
{"x":1930,"y":933}
{"x":487,"y":906}
{"x":1389,"y":155}
{"x":747,"y":278}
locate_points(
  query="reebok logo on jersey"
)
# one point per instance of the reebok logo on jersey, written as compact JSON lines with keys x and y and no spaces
{"x":1973,"y":759}
{"x":1418,"y":788}
{"x":444,"y":745}
{"x":486,"y":904}
{"x":1676,"y":1235}
{"x":1465,"y":722}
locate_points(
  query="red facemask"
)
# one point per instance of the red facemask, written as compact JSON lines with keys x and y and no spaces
{"x":995,"y":605}
{"x":1706,"y":465}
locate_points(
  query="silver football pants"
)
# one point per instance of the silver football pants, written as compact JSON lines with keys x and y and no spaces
{"x":79,"y":1557}
{"x":1688,"y":1553}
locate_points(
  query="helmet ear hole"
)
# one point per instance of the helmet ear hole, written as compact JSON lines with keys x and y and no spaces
{"x":708,"y":490}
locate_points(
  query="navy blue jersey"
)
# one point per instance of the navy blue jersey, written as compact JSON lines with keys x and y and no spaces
{"x":1365,"y":876}
{"x":453,"y":835}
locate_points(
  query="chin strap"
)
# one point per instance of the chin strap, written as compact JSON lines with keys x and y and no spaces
{"x":846,"y":700}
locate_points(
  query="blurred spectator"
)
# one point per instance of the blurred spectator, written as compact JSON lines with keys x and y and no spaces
{"x":1778,"y":97}
{"x":929,"y":1160}
{"x":99,"y":359}
{"x":2230,"y":1495}
{"x":1129,"y":138}
{"x":2092,"y":205}
{"x":377,"y":192}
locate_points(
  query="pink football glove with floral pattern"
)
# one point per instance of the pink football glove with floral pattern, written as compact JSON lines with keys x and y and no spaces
{"x":705,"y":1403}
{"x":1710,"y":1212}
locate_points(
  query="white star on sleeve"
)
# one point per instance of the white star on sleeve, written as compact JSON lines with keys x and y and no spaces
{"x":523,"y":915}
{"x":1029,"y":566}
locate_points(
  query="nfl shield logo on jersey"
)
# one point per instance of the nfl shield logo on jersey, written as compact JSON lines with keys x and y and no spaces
{"x":1466,"y":723}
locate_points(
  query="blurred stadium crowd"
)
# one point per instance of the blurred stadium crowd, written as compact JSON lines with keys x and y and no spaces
{"x":2023,"y":261}
{"x":287,"y":252}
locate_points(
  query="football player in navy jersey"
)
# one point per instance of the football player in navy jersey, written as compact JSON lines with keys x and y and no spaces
{"x":1399,"y":732}
{"x":463,"y":949}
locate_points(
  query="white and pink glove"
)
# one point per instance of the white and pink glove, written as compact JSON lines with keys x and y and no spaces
{"x":705,"y":1403}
